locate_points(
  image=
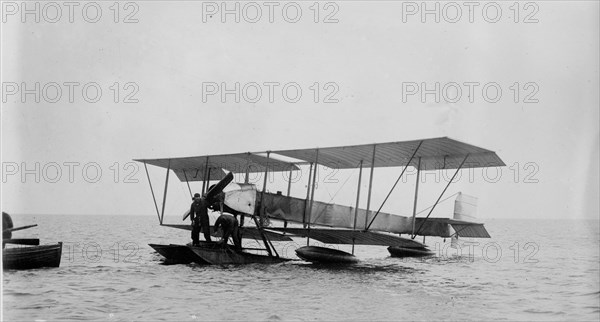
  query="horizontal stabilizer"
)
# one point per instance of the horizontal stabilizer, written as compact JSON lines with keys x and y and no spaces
{"x":472,"y":230}
{"x":463,"y":228}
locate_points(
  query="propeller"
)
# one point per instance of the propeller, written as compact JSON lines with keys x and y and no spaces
{"x":216,"y":189}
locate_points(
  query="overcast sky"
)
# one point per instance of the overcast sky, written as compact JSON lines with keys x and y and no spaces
{"x":370,"y":60}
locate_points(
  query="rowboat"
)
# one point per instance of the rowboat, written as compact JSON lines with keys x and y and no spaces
{"x":29,"y":254}
{"x":32,"y":257}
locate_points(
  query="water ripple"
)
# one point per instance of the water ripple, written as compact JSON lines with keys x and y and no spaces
{"x":564,"y":283}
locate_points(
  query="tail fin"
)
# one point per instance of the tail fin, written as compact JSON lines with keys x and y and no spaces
{"x":465,"y":209}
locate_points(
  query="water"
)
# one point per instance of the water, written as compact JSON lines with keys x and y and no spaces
{"x":554,"y":275}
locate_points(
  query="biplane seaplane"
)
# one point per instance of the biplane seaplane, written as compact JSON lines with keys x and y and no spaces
{"x":312,"y":219}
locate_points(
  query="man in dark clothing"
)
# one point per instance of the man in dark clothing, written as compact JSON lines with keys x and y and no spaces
{"x":199,"y":216}
{"x":229,"y":225}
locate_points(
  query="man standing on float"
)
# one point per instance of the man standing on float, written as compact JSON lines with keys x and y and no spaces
{"x":199,"y":216}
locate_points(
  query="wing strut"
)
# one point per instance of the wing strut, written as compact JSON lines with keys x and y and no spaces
{"x":440,"y":197}
{"x":290,"y":181}
{"x":312,"y":195}
{"x":247,"y":175}
{"x":204,"y":179}
{"x":416,"y":196}
{"x":307,"y":196}
{"x":370,"y":186}
{"x":162,"y":215}
{"x":261,"y":211}
{"x":357,"y":200}
{"x":262,"y":194}
{"x":188,"y":183}
{"x":262,"y":235}
{"x":152,"y":191}
{"x":394,"y":186}
{"x":208,"y":180}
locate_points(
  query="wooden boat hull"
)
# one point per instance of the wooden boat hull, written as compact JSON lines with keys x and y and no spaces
{"x":397,"y":251}
{"x":218,"y":255}
{"x":177,"y":254}
{"x":324,"y":255}
{"x":32,"y":257}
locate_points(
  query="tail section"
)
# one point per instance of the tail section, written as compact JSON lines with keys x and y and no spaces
{"x":465,"y":208}
{"x":465,"y":211}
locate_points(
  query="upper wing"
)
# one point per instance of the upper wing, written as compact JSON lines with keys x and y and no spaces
{"x":434,"y":153}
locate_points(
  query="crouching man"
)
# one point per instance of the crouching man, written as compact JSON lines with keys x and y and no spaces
{"x":229,"y":226}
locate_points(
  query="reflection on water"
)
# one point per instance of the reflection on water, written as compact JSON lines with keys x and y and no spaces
{"x":109,"y":273}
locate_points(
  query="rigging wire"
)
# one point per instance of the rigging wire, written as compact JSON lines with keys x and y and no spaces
{"x":423,"y":210}
{"x":452,"y":195}
{"x":332,"y":198}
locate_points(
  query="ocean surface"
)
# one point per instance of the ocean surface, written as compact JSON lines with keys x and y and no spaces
{"x":528,"y":270}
